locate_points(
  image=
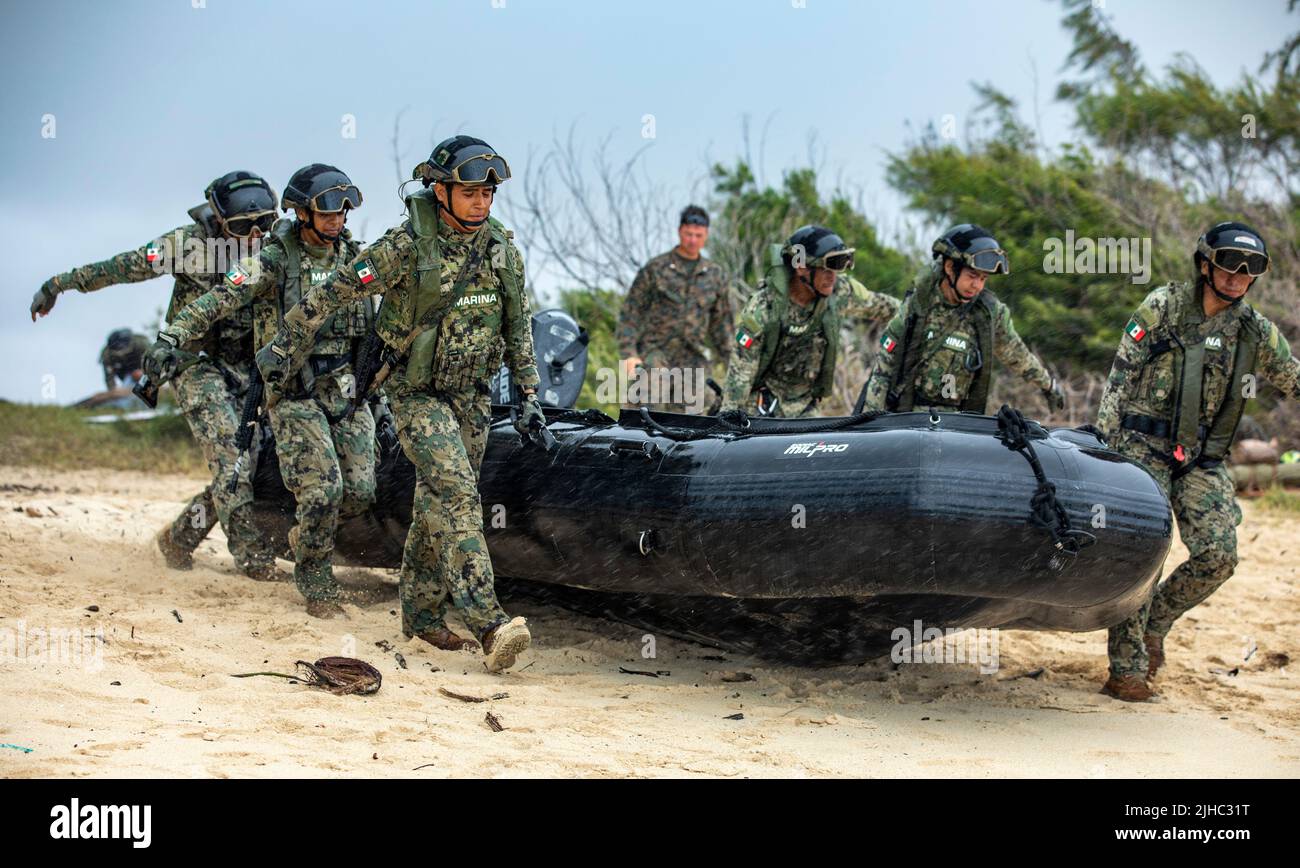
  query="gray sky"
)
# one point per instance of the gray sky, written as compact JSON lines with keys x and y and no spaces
{"x":152,"y":99}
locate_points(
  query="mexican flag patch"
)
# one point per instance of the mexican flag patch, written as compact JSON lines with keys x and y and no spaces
{"x":365,"y":270}
{"x":745,"y":339}
{"x":1135,"y":330}
{"x":152,"y":252}
{"x":236,"y":276}
{"x":887,"y":343}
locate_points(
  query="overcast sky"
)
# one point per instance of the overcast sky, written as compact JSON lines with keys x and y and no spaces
{"x":152,"y":99}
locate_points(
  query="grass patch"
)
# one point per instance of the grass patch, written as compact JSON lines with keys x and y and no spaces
{"x":60,"y":438}
{"x":1278,"y":499}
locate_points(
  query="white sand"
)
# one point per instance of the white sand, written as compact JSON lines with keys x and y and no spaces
{"x":177,"y":712}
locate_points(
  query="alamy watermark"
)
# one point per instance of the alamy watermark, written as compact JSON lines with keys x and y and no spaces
{"x":1072,"y":255}
{"x":684,"y":386}
{"x":921,"y":644}
{"x":53,"y":646}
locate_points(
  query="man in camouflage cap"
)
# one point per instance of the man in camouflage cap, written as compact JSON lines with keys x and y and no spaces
{"x":326,"y":452}
{"x":1186,"y":366}
{"x":454,"y":300}
{"x":238,"y":211}
{"x":121,"y":358}
{"x":677,"y":314}
{"x":788,"y":337}
{"x":938,"y":352}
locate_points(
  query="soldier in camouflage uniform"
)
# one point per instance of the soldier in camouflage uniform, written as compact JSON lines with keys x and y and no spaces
{"x":454,"y":299}
{"x":1185,"y":368}
{"x":238,"y":210}
{"x":937,"y":353}
{"x":787,"y":342}
{"x":121,"y":358}
{"x":326,"y":453}
{"x":678,"y":305}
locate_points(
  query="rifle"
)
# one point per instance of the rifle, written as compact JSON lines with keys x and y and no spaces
{"x":147,"y":390}
{"x":247,"y":424}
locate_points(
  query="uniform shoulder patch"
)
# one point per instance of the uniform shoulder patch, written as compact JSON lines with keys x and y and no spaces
{"x":1136,"y":330}
{"x":237,"y":276}
{"x":887,"y":342}
{"x":365,"y":268}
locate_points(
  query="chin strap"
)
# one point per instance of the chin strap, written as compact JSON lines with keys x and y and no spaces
{"x":329,"y":239}
{"x":1209,"y":278}
{"x":468,"y":224}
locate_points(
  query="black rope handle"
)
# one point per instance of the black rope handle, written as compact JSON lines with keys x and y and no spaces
{"x":1045,"y":511}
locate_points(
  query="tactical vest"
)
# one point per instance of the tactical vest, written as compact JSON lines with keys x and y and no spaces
{"x":902,"y":390}
{"x":337,"y":339}
{"x":777,"y":281}
{"x":230,"y":339}
{"x":455,"y":352}
{"x":1187,"y":353}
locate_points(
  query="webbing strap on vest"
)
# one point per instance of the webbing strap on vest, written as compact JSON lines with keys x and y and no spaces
{"x":902,"y":392}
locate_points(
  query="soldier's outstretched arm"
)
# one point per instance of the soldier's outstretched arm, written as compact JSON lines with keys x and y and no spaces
{"x":887,"y":358}
{"x":1278,"y":365}
{"x":632,"y":314}
{"x":861,"y":303}
{"x":518,"y":331}
{"x":252,"y":278}
{"x":133,"y":266}
{"x":1127,"y":367}
{"x":1012,"y":352}
{"x":746,"y":352}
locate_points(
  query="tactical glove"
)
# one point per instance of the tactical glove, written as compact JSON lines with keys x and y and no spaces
{"x":1054,"y":396}
{"x":43,"y":301}
{"x":161,"y":361}
{"x":530,"y":412}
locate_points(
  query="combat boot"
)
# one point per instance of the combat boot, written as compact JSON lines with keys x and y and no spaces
{"x":176,"y":556}
{"x":444,"y":638}
{"x":1155,"y":652}
{"x":325,"y":609}
{"x":503,"y":644}
{"x":1130,"y":688}
{"x":266,"y":572}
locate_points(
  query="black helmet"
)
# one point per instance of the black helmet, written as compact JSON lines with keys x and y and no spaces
{"x":694,"y":215}
{"x":974,"y":247}
{"x":242,"y":201}
{"x":1232,"y":247}
{"x":319,"y":187}
{"x":817,"y":247}
{"x":119,"y":339}
{"x":463,"y":160}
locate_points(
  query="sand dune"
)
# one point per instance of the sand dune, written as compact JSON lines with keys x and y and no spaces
{"x":154,"y":696}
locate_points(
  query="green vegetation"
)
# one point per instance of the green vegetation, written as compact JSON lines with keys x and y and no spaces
{"x":60,"y":438}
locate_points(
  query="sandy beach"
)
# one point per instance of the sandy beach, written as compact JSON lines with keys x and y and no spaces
{"x":142,"y":686}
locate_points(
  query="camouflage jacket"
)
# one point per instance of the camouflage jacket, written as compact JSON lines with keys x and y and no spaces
{"x":466,"y":347}
{"x":796,"y":363}
{"x":120,"y":364}
{"x":197,"y":256}
{"x":674,"y":317}
{"x":1143,"y":382}
{"x":942,"y":374}
{"x":262,"y":281}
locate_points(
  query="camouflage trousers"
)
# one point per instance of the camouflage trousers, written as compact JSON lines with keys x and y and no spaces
{"x":1205,"y":505}
{"x":446,"y":554}
{"x":330,"y":470}
{"x":212,"y":407}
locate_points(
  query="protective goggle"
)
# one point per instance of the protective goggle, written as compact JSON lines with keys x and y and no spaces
{"x":695,"y":220}
{"x":991,"y":260}
{"x":242,"y":225}
{"x":836,"y":260}
{"x":481,"y":169}
{"x":1232,"y":260}
{"x":335,"y":199}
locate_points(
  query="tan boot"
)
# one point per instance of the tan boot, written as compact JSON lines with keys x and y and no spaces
{"x":267,"y":572}
{"x":441,"y":637}
{"x":175,"y":556}
{"x":1130,"y":688}
{"x":325,"y":609}
{"x":1155,"y":652}
{"x":503,"y":644}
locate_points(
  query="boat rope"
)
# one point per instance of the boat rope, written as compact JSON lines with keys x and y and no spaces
{"x":1045,"y":511}
{"x":736,"y":422}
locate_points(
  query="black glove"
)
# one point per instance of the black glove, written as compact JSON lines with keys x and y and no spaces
{"x":385,"y":427}
{"x":162,"y":359}
{"x":530,"y":411}
{"x":43,"y":301}
{"x":1054,"y":396}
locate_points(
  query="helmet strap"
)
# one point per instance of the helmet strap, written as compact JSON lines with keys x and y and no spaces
{"x":1209,"y":279}
{"x":450,"y":209}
